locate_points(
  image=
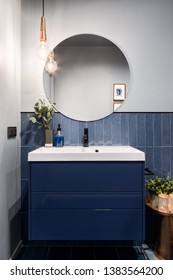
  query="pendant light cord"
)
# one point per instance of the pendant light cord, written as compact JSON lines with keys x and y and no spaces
{"x":43,"y":7}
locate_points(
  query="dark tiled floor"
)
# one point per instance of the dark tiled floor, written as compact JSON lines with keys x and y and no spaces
{"x":79,"y":253}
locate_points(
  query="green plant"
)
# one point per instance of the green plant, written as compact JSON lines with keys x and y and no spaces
{"x":43,"y":114}
{"x":160,"y":185}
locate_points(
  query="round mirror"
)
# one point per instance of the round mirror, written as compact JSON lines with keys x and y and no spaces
{"x":92,"y":78}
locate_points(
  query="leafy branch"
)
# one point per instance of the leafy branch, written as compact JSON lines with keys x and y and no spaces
{"x":43,"y":114}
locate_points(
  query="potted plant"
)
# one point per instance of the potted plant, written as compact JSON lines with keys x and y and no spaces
{"x":156,"y":186}
{"x":43,"y":115}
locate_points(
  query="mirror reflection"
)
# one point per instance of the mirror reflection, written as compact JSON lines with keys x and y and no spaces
{"x":92,"y":78}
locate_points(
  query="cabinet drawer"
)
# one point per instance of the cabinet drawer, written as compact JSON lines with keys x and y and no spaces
{"x":86,"y":225}
{"x":87,"y":176}
{"x":85,"y":200}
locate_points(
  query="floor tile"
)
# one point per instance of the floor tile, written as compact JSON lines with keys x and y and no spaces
{"x":82,"y":253}
{"x":90,"y":252}
{"x":106,"y":253}
{"x":59,"y":253}
{"x":130,"y":253}
{"x":149,"y":252}
{"x":35,"y":253}
{"x":20,"y":252}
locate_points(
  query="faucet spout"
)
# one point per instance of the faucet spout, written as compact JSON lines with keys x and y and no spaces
{"x":85,"y":142}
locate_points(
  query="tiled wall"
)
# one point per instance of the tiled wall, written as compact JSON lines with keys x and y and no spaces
{"x":149,"y":132}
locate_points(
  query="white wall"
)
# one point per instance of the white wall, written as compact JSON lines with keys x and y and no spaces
{"x":141,"y":28}
{"x":10,"y":15}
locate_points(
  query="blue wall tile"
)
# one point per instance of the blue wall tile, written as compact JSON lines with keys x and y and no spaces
{"x":166,"y":130}
{"x":157,"y":129}
{"x":124,"y":129}
{"x":99,"y":132}
{"x":158,"y":161}
{"x":57,"y":119}
{"x":141,"y":127}
{"x":171,"y":117}
{"x":116,"y":128}
{"x":166,"y":161}
{"x":149,"y":129}
{"x":82,"y":125}
{"x":133,"y":129}
{"x":65,"y":123}
{"x":91,"y":132}
{"x":107,"y":133}
{"x":149,"y":158}
{"x":171,"y":162}
{"x":74,"y":132}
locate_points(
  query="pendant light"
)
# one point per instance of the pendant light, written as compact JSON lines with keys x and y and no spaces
{"x":42,"y":50}
{"x":51,"y":65}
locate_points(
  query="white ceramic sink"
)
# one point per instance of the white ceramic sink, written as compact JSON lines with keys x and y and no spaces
{"x":80,"y":153}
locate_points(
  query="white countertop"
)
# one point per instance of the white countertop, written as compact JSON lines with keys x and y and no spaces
{"x":92,"y":153}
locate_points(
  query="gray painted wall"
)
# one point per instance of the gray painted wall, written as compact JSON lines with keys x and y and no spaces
{"x":142,"y":29}
{"x":9,"y":116}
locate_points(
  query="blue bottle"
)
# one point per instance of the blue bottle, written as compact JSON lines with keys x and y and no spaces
{"x":59,"y":138}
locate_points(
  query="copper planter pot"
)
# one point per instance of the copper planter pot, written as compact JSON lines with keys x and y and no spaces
{"x":48,"y":137}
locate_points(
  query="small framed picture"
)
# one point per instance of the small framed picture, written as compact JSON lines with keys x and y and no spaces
{"x":116,"y":105}
{"x":119,"y":91}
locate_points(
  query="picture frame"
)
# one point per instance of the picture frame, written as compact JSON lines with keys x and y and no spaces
{"x":119,"y":91}
{"x":116,"y":105}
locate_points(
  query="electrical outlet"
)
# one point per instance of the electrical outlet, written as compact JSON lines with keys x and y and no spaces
{"x":11,"y":131}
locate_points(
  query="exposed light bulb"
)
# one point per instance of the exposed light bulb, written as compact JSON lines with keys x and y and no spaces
{"x":51,"y":65}
{"x":42,"y":50}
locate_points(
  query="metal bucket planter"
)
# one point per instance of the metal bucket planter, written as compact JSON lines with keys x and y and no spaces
{"x":48,"y":137}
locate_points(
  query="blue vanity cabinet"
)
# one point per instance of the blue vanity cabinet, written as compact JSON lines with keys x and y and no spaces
{"x":86,"y":200}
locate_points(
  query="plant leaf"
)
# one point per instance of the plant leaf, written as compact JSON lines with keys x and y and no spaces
{"x":33,"y":120}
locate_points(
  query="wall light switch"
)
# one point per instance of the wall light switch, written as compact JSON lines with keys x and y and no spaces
{"x":11,"y":131}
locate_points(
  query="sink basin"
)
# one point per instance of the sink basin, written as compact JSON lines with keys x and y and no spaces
{"x":92,"y":153}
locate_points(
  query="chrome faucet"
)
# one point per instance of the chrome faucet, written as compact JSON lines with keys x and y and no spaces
{"x":85,"y":138}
